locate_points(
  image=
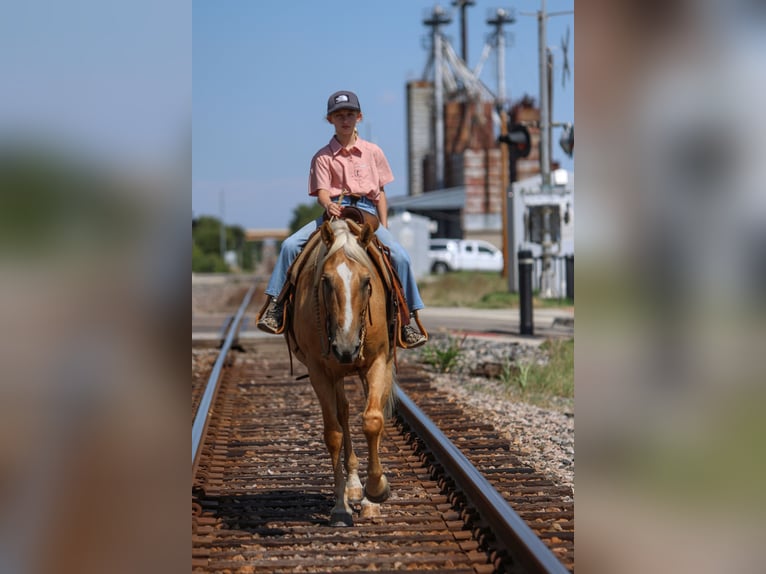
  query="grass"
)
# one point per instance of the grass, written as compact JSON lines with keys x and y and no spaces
{"x":443,"y":357}
{"x":547,"y":384}
{"x":540,"y":384}
{"x":556,"y":377}
{"x":543,"y":384}
{"x":482,"y":290}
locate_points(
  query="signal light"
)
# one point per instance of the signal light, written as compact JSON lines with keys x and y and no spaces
{"x":567,"y":139}
{"x":518,"y":139}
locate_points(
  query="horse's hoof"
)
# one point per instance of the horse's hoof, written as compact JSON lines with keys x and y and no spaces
{"x":355,"y":495}
{"x":341,"y":519}
{"x":382,"y":497}
{"x":370,"y":509}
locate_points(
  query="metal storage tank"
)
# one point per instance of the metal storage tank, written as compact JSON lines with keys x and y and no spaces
{"x":419,"y":144}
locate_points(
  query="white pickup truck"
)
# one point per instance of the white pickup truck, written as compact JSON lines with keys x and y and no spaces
{"x":464,"y":255}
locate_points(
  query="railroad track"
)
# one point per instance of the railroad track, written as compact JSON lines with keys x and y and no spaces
{"x":262,"y":482}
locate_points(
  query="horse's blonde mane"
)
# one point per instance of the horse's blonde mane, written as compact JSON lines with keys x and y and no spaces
{"x":346,"y":240}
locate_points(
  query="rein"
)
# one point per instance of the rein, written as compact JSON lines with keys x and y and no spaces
{"x":311,"y":262}
{"x":354,"y":213}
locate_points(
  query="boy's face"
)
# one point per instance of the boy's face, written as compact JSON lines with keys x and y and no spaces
{"x":344,"y":120}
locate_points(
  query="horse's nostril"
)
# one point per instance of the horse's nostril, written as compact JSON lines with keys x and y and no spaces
{"x":345,"y":355}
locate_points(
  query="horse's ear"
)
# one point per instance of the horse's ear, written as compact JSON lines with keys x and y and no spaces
{"x":365,"y":236}
{"x":328,"y":235}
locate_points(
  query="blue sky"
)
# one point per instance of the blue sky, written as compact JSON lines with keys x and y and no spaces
{"x":103,"y":79}
{"x":262,"y":72}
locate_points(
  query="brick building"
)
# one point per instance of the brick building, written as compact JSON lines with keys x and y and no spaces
{"x":473,"y":163}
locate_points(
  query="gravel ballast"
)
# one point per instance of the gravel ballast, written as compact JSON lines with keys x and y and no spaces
{"x":545,"y":436}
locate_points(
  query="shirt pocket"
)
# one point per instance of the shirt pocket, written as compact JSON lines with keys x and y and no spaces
{"x":362,"y":171}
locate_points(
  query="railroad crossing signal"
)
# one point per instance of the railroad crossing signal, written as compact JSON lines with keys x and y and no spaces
{"x":518,"y":139}
{"x":567,"y":139}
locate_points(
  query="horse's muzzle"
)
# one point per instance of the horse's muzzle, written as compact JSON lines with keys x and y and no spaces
{"x":345,"y":354}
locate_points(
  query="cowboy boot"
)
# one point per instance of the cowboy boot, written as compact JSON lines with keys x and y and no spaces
{"x":271,"y":320}
{"x":411,"y":337}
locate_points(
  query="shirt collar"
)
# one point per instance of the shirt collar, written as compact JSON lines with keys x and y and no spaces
{"x":335,"y":146}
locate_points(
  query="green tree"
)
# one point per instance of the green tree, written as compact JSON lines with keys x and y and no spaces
{"x":206,"y":233}
{"x":206,"y":238}
{"x":304,"y":213}
{"x":51,"y":201}
{"x":206,"y":262}
{"x":246,"y":256}
{"x":235,"y":241}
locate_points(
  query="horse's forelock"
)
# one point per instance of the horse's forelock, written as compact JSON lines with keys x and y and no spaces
{"x":346,"y":240}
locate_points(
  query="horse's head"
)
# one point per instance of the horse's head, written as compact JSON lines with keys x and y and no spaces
{"x":345,"y":288}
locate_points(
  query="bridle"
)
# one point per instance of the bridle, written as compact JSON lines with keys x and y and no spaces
{"x":365,"y":315}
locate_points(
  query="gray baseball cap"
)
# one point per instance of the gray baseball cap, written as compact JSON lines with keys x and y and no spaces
{"x":343,"y":100}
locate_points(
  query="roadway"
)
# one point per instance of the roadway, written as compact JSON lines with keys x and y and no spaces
{"x":498,"y":323}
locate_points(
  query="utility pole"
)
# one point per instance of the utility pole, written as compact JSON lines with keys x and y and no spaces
{"x":545,"y":85}
{"x":502,"y":18}
{"x":549,"y":83}
{"x":545,"y":121}
{"x":463,"y":4}
{"x":222,"y":228}
{"x":545,"y":59}
{"x":438,"y":18}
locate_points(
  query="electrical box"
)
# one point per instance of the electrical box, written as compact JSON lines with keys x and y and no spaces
{"x":542,"y":219}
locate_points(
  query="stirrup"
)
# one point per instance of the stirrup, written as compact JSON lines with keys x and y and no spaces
{"x":423,"y":335}
{"x":271,"y":318}
{"x":412,"y":338}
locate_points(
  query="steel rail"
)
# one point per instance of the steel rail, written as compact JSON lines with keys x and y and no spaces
{"x":510,"y":530}
{"x":202,"y":417}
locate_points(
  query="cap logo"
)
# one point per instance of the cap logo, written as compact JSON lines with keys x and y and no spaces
{"x":341,"y":98}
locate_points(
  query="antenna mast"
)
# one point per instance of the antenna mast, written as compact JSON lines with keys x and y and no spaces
{"x":501,"y":18}
{"x":463,"y":4}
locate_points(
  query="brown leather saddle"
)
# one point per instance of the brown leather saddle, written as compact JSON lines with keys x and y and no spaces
{"x":380,"y":255}
{"x":358,"y":216}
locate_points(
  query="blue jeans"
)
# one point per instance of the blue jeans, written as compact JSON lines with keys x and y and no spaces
{"x":292,"y":246}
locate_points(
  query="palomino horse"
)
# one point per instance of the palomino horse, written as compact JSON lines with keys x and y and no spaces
{"x":338,"y":327}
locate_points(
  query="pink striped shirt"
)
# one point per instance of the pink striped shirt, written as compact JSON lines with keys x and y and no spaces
{"x":362,"y":170}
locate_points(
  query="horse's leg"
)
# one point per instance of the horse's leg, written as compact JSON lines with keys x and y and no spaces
{"x":379,"y":379}
{"x":333,"y":438}
{"x":353,"y":484}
